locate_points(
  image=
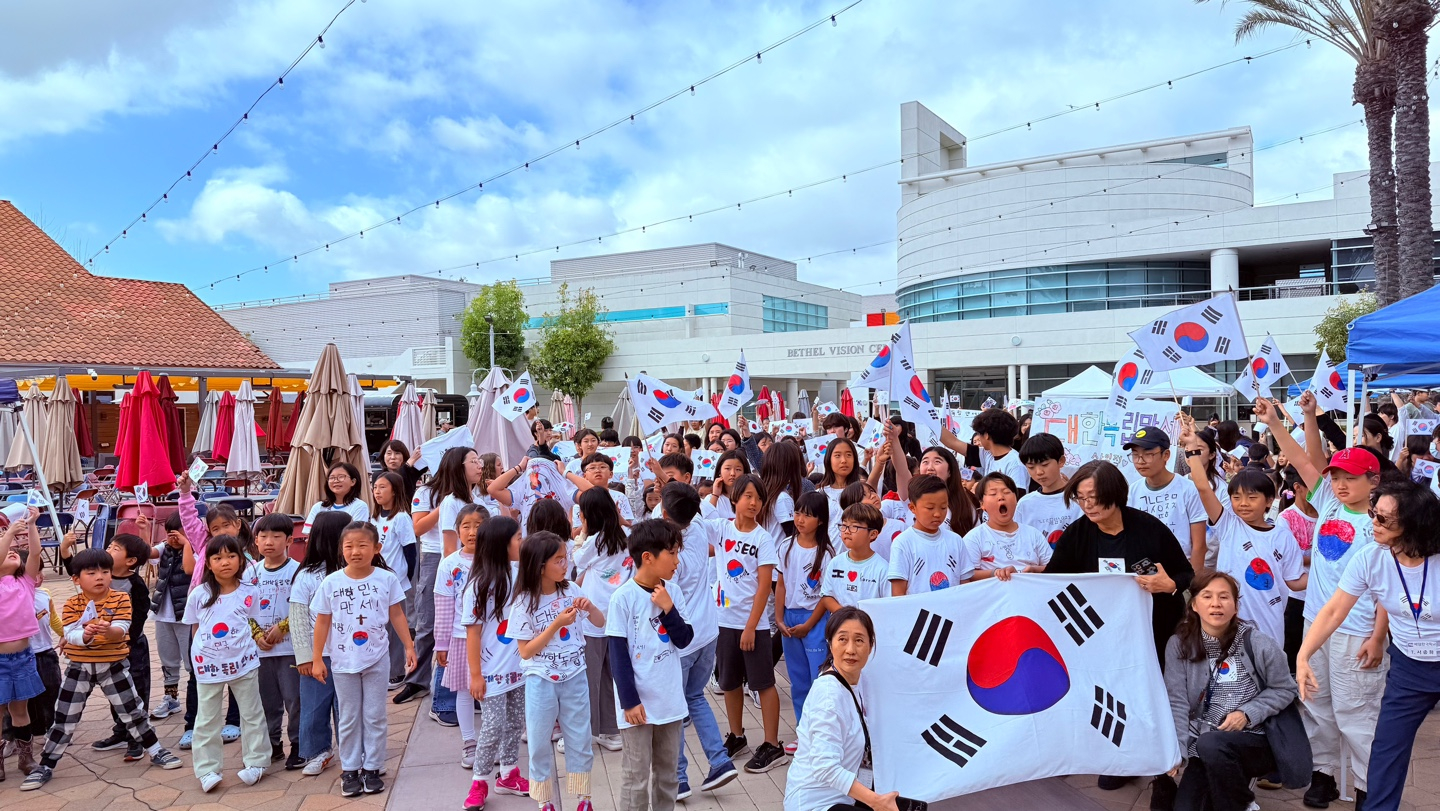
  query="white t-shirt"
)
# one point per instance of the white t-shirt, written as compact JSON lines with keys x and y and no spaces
{"x":359,"y":613}
{"x":43,"y":640}
{"x":782,"y":511}
{"x":653,"y":656}
{"x":450,"y":508}
{"x":222,"y":649}
{"x":720,"y":509}
{"x":896,"y":510}
{"x":450,"y":580}
{"x":564,"y":655}
{"x":1009,"y":464}
{"x":304,"y":586}
{"x":1047,"y":512}
{"x":272,"y":590}
{"x":396,"y":533}
{"x":885,"y":541}
{"x":1339,"y":534}
{"x":1177,"y":505}
{"x":1261,"y":560}
{"x":929,"y":562}
{"x":358,"y":510}
{"x":622,"y":505}
{"x":550,"y":483}
{"x":431,"y":542}
{"x":599,"y":576}
{"x":1212,"y":541}
{"x":849,"y":581}
{"x":738,"y":558}
{"x":499,"y":653}
{"x":695,"y":577}
{"x":993,"y":549}
{"x":801,"y":590}
{"x":1374,"y":574}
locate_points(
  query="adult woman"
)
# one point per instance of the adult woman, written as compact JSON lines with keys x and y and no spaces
{"x":396,"y":458}
{"x":1225,"y":681}
{"x":1024,"y":434}
{"x":831,"y":770}
{"x":713,"y":432}
{"x":1395,"y":571}
{"x":1374,"y":434}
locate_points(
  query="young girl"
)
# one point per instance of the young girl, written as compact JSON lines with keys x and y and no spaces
{"x":586,"y":443}
{"x":602,"y":565}
{"x":802,"y":567}
{"x":1300,"y":515}
{"x":493,"y":658}
{"x":225,"y":655}
{"x":553,"y":656}
{"x":728,"y":469}
{"x":549,"y":516}
{"x":342,"y":492}
{"x":449,"y":583}
{"x":397,"y":547}
{"x":223,"y":520}
{"x":19,"y":673}
{"x":842,"y":469}
{"x":350,"y":611}
{"x":317,"y":698}
{"x":780,"y":475}
{"x":862,"y":493}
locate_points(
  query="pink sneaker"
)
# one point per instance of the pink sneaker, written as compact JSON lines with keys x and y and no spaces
{"x":585,"y":806}
{"x":475,"y":800}
{"x":512,"y":783}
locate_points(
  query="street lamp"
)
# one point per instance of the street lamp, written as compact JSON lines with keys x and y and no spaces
{"x":490,"y":321}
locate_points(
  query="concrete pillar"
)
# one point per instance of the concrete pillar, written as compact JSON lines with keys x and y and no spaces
{"x":792,"y":392}
{"x":1224,"y":269}
{"x":1010,"y":389}
{"x":1024,"y":381}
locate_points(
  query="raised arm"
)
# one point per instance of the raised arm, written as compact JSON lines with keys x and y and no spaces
{"x":1189,"y":441}
{"x":1268,"y":413}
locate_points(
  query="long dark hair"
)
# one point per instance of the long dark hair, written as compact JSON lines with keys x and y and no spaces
{"x":829,"y":480}
{"x":400,"y":504}
{"x":450,"y":479}
{"x":1373,"y":424}
{"x":227,"y":514}
{"x":534,"y":552}
{"x":963,"y":505}
{"x":816,"y":505}
{"x":548,"y":516}
{"x":329,"y":499}
{"x":216,"y":545}
{"x":1191,"y":633}
{"x":839,"y":618}
{"x":322,"y":548}
{"x":602,"y":520}
{"x":490,"y":571}
{"x":781,"y":470}
{"x":1212,"y":470}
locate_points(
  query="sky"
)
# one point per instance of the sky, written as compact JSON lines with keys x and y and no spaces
{"x":106,"y":104}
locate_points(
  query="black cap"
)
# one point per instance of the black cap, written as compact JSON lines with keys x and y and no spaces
{"x":1149,"y":438}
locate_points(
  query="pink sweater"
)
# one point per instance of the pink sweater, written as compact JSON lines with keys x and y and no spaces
{"x":197,"y":533}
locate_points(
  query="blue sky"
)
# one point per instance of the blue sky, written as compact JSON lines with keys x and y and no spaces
{"x":106,"y":103}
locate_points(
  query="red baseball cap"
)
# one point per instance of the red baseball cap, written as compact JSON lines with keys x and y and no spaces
{"x":1354,"y":461}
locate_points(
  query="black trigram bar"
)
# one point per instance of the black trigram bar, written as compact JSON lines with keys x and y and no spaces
{"x":951,"y":741}
{"x":928,"y":637}
{"x":1160,"y":328}
{"x":1212,"y":315}
{"x":1108,"y":716}
{"x":1076,"y":614}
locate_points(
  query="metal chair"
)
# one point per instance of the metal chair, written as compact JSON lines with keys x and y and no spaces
{"x":99,"y":526}
{"x":50,"y":538}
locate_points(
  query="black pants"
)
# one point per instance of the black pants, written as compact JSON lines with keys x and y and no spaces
{"x":139,"y":664}
{"x":1294,"y":630}
{"x":1218,"y":777}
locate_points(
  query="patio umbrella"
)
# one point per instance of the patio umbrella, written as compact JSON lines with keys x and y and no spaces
{"x":35,"y":417}
{"x":624,"y":413}
{"x":83,"y":440}
{"x":802,"y":402}
{"x":492,"y":433}
{"x":847,"y":404}
{"x":8,"y":428}
{"x":569,"y":410}
{"x":60,"y":454}
{"x":407,"y":419}
{"x":143,"y":447}
{"x":176,"y":435}
{"x":295,"y":410}
{"x":356,"y":399}
{"x":429,"y":420}
{"x":205,"y":435}
{"x":244,"y":456}
{"x":326,"y":423}
{"x":224,"y":427}
{"x":762,"y":405}
{"x":275,"y":422}
{"x":557,"y":407}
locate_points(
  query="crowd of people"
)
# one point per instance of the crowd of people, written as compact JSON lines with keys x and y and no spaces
{"x":606,"y":624}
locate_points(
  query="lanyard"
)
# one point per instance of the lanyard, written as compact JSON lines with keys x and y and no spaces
{"x":1415,"y":605}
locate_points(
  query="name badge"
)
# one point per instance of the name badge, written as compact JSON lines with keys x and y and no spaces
{"x":1226,"y":673}
{"x":1112,"y":566}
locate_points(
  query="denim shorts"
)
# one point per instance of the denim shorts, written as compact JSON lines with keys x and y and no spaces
{"x":19,"y":677}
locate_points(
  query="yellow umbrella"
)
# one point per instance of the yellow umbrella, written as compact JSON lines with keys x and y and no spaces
{"x":60,"y":451}
{"x":327,"y":423}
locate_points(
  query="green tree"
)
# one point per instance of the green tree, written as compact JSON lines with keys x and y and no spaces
{"x":573,"y":345}
{"x":504,"y":302}
{"x":1333,"y":331}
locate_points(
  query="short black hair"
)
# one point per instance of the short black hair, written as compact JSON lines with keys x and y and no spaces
{"x":538,"y":424}
{"x":653,"y":535}
{"x":1040,"y":448}
{"x":1418,"y":513}
{"x":276,"y":522}
{"x":1389,"y":410}
{"x":678,"y":461}
{"x":597,"y":458}
{"x":1111,"y":489}
{"x":862,"y":513}
{"x":836,"y":420}
{"x":995,"y":476}
{"x":680,"y":503}
{"x":1253,"y":480}
{"x":135,"y":547}
{"x":174,"y":523}
{"x":924,"y":485}
{"x":609,"y":435}
{"x":998,"y":425}
{"x":87,"y":559}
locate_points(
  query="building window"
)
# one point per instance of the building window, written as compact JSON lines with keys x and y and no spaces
{"x":789,"y":315}
{"x":1352,"y":263}
{"x":647,"y":314}
{"x":720,"y":308}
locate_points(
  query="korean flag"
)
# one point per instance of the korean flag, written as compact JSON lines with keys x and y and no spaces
{"x":516,"y":399}
{"x":1329,"y":384}
{"x":1198,"y":335}
{"x":658,"y":404}
{"x":1133,"y":375}
{"x":1265,"y":369}
{"x":737,"y":389}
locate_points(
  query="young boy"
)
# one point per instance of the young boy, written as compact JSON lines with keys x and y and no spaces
{"x":1173,"y":499}
{"x":858,"y":573}
{"x":174,"y":565}
{"x":97,"y":626}
{"x":889,"y":530}
{"x":1045,"y":509}
{"x":995,"y":431}
{"x":598,"y":469}
{"x":646,"y":633}
{"x":929,"y":556}
{"x":1001,"y":545}
{"x":279,"y":680}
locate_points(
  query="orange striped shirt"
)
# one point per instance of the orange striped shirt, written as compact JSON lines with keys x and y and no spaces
{"x":114,"y":607}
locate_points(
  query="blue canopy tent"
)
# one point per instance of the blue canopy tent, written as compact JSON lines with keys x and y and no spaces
{"x":1394,"y":347}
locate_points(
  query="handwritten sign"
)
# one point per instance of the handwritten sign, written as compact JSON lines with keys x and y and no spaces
{"x":1086,"y":433}
{"x":198,"y":469}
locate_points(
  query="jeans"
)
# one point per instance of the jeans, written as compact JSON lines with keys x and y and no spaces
{"x":695,"y":670}
{"x":1218,"y":777}
{"x":569,"y":703}
{"x":803,"y":657}
{"x":442,"y":698}
{"x":1411,"y":690}
{"x":423,"y":626}
{"x":317,"y":705}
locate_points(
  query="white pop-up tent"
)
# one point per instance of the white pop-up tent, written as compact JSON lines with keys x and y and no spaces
{"x":1093,"y":384}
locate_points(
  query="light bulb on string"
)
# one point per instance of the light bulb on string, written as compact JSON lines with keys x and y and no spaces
{"x":189,"y":175}
{"x":281,"y":82}
{"x":833,"y":23}
{"x":320,"y":41}
{"x":692,"y":89}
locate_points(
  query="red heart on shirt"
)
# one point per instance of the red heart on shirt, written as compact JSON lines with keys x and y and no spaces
{"x":852,"y":577}
{"x":729,"y":546}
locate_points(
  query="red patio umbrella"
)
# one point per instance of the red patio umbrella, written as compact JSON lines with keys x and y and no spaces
{"x":224,"y":427}
{"x":847,"y":404}
{"x":294,"y":418}
{"x":143,"y":445}
{"x":275,"y":441}
{"x":175,"y":434}
{"x":83,"y":440}
{"x":762,"y":404}
{"x":720,"y":418}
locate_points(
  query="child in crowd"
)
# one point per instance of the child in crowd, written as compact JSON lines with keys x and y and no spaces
{"x":342,"y":492}
{"x":553,"y":656}
{"x":97,"y":624}
{"x":842,"y":469}
{"x":995,"y":432}
{"x":1045,"y":509}
{"x":602,"y":565}
{"x":317,"y":696}
{"x":47,"y":663}
{"x":174,"y":567}
{"x":1000,"y":546}
{"x":449,"y":583}
{"x":271,"y":577}
{"x":548,"y":516}
{"x":397,"y":547}
{"x":1297,"y":512}
{"x":1163,"y":494}
{"x":425,"y":515}
{"x":19,"y":672}
{"x":456,"y":484}
{"x":351,"y":607}
{"x":858,"y":573}
{"x":222,"y":612}
{"x":890,"y":529}
{"x":493,"y":659}
{"x":928,"y":556}
{"x":728,"y":469}
{"x":797,"y":590}
{"x":598,"y":470}
{"x":645,"y":631}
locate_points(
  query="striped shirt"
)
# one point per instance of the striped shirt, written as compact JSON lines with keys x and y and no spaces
{"x":115,"y":607}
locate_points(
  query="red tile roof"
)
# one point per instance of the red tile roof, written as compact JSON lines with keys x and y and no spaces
{"x":52,"y":310}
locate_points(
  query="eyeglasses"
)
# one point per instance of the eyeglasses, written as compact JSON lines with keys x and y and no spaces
{"x":1086,"y":501}
{"x":854,"y":528}
{"x":1383,"y":520}
{"x":1144,"y":456}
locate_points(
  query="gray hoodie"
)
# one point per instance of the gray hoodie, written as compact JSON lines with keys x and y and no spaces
{"x":1186,"y":682}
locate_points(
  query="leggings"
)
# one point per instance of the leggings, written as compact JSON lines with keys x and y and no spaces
{"x":502,"y":720}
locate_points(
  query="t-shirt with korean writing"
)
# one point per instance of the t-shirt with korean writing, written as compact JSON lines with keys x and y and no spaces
{"x":1048,"y":513}
{"x":849,"y":581}
{"x":499,"y":652}
{"x":563,"y":657}
{"x":357,"y":508}
{"x":1177,"y":505}
{"x":431,"y":541}
{"x":802,"y":590}
{"x":696,"y":577}
{"x":222,"y":649}
{"x":272,"y":600}
{"x":359,"y":613}
{"x":1009,"y":464}
{"x":396,"y":532}
{"x":599,"y":576}
{"x":930,"y":562}
{"x":1261,"y":560}
{"x":450,"y":580}
{"x":738,"y":558}
{"x":654,"y":658}
{"x":993,"y":549}
{"x":1339,"y":533}
{"x":1408,"y":594}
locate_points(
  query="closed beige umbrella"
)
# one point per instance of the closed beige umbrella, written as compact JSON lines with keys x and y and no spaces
{"x":35,"y":417}
{"x":327,"y":422}
{"x":557,"y":407}
{"x":60,"y":451}
{"x":429,"y":420}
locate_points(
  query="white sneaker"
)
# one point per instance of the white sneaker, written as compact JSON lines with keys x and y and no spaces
{"x":250,"y":775}
{"x":317,"y":764}
{"x":467,"y":755}
{"x":609,"y":742}
{"x":715,"y":687}
{"x":560,"y":746}
{"x":755,"y":698}
{"x":210,"y":781}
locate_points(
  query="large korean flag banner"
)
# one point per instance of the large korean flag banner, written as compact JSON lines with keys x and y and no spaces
{"x":737,"y":389}
{"x":516,"y":399}
{"x":1200,"y":334}
{"x":1089,"y":432}
{"x":998,"y":683}
{"x":658,"y":404}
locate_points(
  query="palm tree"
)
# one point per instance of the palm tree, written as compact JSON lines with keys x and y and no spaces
{"x":1405,"y":24}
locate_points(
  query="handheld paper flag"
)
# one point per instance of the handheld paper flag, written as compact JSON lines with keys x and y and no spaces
{"x":658,"y":404}
{"x":198,"y":469}
{"x":620,"y":455}
{"x":1200,"y":334}
{"x":1265,"y":369}
{"x":826,"y":409}
{"x":753,"y":426}
{"x":565,"y":450}
{"x":34,"y":498}
{"x":704,"y":462}
{"x":1329,"y":385}
{"x":142,"y":493}
{"x":1132,"y":373}
{"x":517,"y":398}
{"x":81,"y":511}
{"x":872,"y":435}
{"x":815,"y":448}
{"x":654,"y":445}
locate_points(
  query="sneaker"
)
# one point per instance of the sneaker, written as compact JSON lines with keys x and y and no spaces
{"x":755,"y":698}
{"x":1162,"y":793}
{"x":445,"y":718}
{"x":1268,"y":784}
{"x":250,"y":775}
{"x":1109,"y":782}
{"x":351,"y":785}
{"x":294,"y":761}
{"x":229,"y":734}
{"x":409,"y":693}
{"x":1322,"y":791}
{"x":318,"y":763}
{"x":684,"y":791}
{"x":512,"y":783}
{"x":37,"y":778}
{"x":134,"y":753}
{"x":608,"y":742}
{"x":166,"y":759}
{"x":585,"y":805}
{"x":479,"y":792}
{"x":767,"y":756}
{"x":277,"y":752}
{"x":560,"y":746}
{"x":715,"y":687}
{"x":370,"y":778}
{"x":187,"y":738}
{"x":719,"y":776}
{"x":467,"y":757}
{"x":209,"y":782}
{"x":112,"y":742}
{"x":791,"y":746}
{"x":395,"y":685}
{"x":735,"y":744}
{"x":167,"y":707}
